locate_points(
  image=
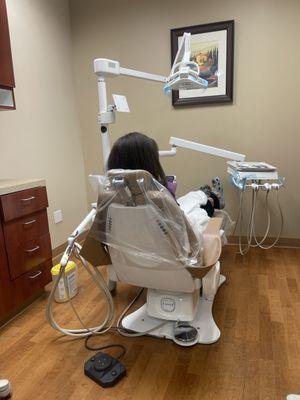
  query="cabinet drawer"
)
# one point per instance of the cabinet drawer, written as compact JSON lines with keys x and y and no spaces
{"x":24,"y":202}
{"x":25,"y":229}
{"x":31,"y":283}
{"x":29,"y":255}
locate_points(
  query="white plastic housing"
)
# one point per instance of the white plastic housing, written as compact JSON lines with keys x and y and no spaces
{"x":202,"y":148}
{"x":171,"y":305}
{"x":106,"y":67}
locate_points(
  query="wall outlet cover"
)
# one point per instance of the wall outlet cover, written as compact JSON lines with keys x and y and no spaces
{"x":58,"y":217}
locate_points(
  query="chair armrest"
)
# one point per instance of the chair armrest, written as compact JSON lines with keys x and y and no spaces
{"x":213,"y":226}
{"x":212,"y":245}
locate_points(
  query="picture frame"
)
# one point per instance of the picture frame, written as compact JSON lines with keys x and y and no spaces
{"x":212,"y":48}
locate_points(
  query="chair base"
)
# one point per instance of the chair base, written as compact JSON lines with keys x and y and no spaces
{"x":208,"y":331}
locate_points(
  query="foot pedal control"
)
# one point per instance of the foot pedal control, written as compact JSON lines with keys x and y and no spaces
{"x":104,"y":369}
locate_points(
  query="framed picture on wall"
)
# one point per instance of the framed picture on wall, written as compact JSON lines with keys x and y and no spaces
{"x":212,"y":48}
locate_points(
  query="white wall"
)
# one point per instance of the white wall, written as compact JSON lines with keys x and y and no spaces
{"x":41,"y":138}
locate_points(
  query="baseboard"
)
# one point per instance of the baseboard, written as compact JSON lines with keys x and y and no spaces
{"x":20,"y":309}
{"x":282,"y":242}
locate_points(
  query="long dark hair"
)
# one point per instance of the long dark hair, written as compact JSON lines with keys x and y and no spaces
{"x":137,"y":151}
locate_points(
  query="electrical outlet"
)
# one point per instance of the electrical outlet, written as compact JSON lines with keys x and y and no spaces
{"x":58,"y":216}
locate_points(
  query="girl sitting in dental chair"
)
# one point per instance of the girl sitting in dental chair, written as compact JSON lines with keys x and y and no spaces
{"x":138,"y":151}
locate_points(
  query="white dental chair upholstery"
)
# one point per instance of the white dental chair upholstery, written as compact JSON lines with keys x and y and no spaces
{"x":150,"y":244}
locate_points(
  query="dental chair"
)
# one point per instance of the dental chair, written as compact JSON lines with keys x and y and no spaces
{"x":145,"y":240}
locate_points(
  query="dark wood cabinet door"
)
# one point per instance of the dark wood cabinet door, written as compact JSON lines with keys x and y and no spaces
{"x":6,"y":66}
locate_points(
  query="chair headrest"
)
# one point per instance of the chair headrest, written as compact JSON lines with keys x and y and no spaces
{"x":136,"y":180}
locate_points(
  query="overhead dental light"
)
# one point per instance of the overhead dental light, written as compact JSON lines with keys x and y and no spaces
{"x":184,"y":75}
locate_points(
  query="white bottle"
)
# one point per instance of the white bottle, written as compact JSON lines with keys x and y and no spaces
{"x":5,"y":389}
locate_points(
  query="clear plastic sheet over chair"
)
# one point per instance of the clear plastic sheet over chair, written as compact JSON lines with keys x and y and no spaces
{"x":140,"y":223}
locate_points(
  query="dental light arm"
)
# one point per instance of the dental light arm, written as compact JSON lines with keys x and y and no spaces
{"x":187,"y":144}
{"x":183,"y":53}
{"x":184,"y":75}
{"x":110,"y":68}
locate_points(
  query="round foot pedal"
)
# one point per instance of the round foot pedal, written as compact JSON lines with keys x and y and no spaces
{"x":185,"y":334}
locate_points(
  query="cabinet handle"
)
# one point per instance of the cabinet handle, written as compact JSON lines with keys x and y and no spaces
{"x":38,"y":273}
{"x":28,"y":199}
{"x":29,"y":222}
{"x":32,"y":250}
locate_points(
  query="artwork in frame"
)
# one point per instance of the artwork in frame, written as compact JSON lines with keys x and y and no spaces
{"x":212,"y":48}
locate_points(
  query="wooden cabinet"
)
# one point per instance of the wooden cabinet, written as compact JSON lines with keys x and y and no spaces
{"x":7,"y":80}
{"x":25,"y":248}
